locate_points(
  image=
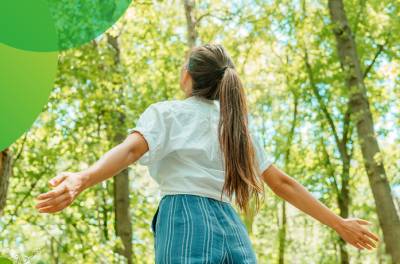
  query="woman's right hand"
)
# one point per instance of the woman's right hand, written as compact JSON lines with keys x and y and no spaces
{"x":67,"y":186}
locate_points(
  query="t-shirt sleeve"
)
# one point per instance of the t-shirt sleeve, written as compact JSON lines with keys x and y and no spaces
{"x":154,"y":125}
{"x":263,"y":160}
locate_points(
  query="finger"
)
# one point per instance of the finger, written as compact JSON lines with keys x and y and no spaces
{"x":58,"y":208}
{"x":58,"y":179}
{"x":54,"y":209}
{"x":361,"y":244}
{"x":367,"y":243}
{"x":363,"y":222}
{"x":53,"y":201}
{"x":51,"y":194}
{"x":364,"y":245}
{"x":370,"y":241}
{"x":371,"y":235}
{"x":58,"y":191}
{"x":355,"y":244}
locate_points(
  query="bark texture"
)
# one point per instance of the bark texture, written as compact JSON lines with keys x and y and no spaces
{"x":190,"y":6}
{"x":283,"y":227}
{"x":361,"y":113}
{"x":123,"y":225}
{"x":5,"y":174}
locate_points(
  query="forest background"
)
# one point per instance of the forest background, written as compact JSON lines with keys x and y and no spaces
{"x":322,"y":80}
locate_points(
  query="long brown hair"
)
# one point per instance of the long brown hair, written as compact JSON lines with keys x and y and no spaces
{"x":215,"y":78}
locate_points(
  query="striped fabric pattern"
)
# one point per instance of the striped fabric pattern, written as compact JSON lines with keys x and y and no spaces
{"x":196,"y":229}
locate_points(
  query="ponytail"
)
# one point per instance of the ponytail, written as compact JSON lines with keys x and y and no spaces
{"x":214,"y":77}
{"x":241,"y":167}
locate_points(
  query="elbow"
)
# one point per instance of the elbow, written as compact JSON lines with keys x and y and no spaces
{"x":280,"y":188}
{"x":278,"y":181}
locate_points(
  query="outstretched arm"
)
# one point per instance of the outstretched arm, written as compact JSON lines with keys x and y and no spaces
{"x":68,"y":185}
{"x":286,"y":187}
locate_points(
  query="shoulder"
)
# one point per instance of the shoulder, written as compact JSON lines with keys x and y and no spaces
{"x":162,"y":106}
{"x":173,"y":107}
{"x":166,"y":110}
{"x":179,"y":112}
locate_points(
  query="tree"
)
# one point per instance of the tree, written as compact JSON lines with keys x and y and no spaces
{"x":191,"y":21}
{"x":283,"y":227}
{"x":123,"y":226}
{"x":5,"y":174}
{"x":91,"y":94}
{"x":361,"y":113}
{"x":345,"y":153}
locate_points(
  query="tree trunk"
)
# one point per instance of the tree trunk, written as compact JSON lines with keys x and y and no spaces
{"x":5,"y":174}
{"x":360,"y":111}
{"x":123,"y":225}
{"x":342,"y":191}
{"x":190,"y":6}
{"x":283,"y":227}
{"x":282,"y":235}
{"x":342,"y":196}
{"x":344,"y":202}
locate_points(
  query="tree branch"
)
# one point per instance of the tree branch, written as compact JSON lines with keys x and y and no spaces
{"x":346,"y":127}
{"x":330,"y":168}
{"x":21,"y":149}
{"x":381,"y":47}
{"x":319,"y":99}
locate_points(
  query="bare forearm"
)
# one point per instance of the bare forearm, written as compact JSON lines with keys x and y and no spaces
{"x":292,"y":191}
{"x":297,"y":195}
{"x":112,"y":162}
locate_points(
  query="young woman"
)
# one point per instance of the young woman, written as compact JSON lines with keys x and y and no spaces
{"x":201,"y":152}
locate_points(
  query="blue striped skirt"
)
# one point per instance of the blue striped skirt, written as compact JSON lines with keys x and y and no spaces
{"x":196,"y":229}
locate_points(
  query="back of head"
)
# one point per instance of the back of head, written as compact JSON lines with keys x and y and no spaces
{"x":214,"y":77}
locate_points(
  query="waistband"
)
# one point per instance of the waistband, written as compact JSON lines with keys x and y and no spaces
{"x":196,"y":195}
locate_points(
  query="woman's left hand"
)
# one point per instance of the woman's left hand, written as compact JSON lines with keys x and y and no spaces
{"x":353,"y":232}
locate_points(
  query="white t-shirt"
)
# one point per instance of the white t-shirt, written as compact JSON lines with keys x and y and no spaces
{"x":184,"y":154}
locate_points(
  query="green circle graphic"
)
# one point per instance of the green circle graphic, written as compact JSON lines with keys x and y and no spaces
{"x":31,"y":33}
{"x":50,"y":25}
{"x":26,"y":79}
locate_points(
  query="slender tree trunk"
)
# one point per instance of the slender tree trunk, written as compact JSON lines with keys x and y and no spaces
{"x":190,"y":6}
{"x":102,"y":212}
{"x":342,"y":196}
{"x":123,"y":225}
{"x":105,"y":214}
{"x":283,"y":227}
{"x":373,"y":162}
{"x":5,"y":174}
{"x":344,"y":202}
{"x":282,"y":234}
{"x":342,"y":191}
